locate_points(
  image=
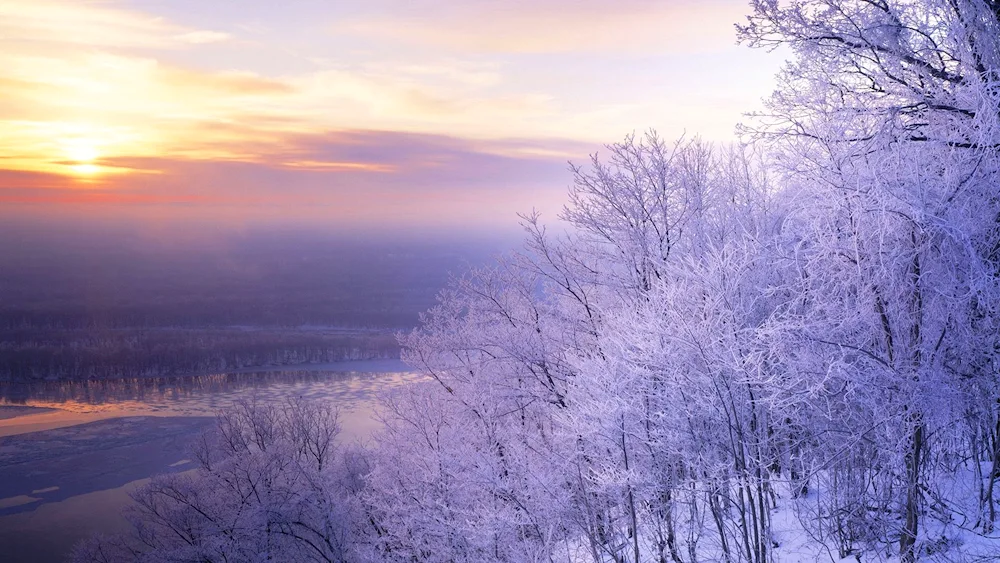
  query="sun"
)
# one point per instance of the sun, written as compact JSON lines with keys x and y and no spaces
{"x":80,"y":152}
{"x":81,"y":156}
{"x":85,"y":169}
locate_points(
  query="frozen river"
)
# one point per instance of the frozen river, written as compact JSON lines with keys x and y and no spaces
{"x":71,"y":451}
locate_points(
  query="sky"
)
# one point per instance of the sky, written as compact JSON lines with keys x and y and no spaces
{"x":416,"y":114}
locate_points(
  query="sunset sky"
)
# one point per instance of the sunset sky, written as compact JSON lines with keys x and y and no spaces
{"x":411,"y":112}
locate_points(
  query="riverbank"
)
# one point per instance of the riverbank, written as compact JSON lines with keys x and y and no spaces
{"x":14,"y":411}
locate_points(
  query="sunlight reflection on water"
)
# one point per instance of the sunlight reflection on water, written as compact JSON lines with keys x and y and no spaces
{"x":85,"y":401}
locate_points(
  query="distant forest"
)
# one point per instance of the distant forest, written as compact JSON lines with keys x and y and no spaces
{"x":30,"y":354}
{"x":76,"y":305}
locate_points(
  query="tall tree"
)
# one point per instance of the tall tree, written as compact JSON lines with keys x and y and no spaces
{"x":888,"y":115}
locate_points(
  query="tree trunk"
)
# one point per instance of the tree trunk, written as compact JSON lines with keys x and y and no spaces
{"x":908,"y":538}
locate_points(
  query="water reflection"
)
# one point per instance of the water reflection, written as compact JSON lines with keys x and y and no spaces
{"x":204,"y":394}
{"x":48,"y":533}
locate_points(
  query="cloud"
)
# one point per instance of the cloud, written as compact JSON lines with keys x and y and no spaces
{"x":231,"y":82}
{"x":132,"y":105}
{"x":90,"y":89}
{"x":202,"y":37}
{"x":118,"y":104}
{"x":346,"y":177}
{"x":93,"y":24}
{"x":553,"y":26}
{"x":342,"y":161}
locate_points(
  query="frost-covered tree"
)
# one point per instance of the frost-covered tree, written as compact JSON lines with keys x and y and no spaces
{"x":547,"y":426}
{"x":714,"y":325}
{"x":887,"y":118}
{"x":273,"y":485}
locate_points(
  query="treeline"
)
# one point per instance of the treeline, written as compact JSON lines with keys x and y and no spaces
{"x":397,"y":309}
{"x":31,"y":354}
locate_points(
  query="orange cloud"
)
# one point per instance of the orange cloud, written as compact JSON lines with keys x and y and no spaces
{"x":343,"y":178}
{"x":94,"y":92}
{"x":319,"y":165}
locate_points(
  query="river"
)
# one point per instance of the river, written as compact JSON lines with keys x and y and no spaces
{"x":71,"y":451}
